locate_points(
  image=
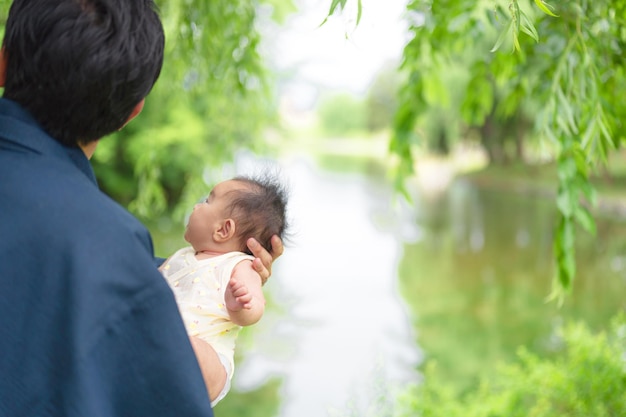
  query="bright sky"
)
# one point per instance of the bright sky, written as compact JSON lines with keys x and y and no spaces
{"x":323,"y":56}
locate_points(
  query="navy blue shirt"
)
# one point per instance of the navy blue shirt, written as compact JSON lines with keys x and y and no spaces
{"x":88,"y":327}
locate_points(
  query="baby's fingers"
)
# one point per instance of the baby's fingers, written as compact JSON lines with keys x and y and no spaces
{"x":245,"y":300}
{"x":240,"y":292}
{"x":237,"y":288}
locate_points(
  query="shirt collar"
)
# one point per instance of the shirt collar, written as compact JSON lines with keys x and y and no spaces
{"x":17,"y":126}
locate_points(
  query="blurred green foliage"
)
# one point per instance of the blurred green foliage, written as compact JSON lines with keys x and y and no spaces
{"x":587,"y":379}
{"x":341,"y":114}
{"x":382,"y":98}
{"x":350,"y":114}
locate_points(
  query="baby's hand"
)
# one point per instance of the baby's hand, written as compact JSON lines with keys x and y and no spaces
{"x":241,"y":297}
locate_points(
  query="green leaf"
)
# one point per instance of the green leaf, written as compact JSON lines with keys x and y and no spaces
{"x":564,"y":250}
{"x":516,"y":44}
{"x":582,"y":164}
{"x":333,"y":6}
{"x":606,"y":132}
{"x":566,"y":202}
{"x":589,"y":134}
{"x":566,"y":169}
{"x":503,"y":34}
{"x":566,"y":110}
{"x":527,"y":27}
{"x":585,"y":219}
{"x":545,"y":7}
{"x":589,"y":192}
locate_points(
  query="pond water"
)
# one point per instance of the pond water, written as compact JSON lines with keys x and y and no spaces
{"x":371,"y":287}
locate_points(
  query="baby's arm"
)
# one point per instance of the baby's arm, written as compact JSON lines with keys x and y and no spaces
{"x":244,"y":296}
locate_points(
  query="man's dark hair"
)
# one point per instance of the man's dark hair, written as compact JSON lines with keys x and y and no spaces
{"x":81,"y":66}
{"x":260,"y":210}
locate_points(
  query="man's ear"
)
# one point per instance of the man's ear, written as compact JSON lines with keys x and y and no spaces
{"x":136,"y":110}
{"x":3,"y":67}
{"x":225,"y":231}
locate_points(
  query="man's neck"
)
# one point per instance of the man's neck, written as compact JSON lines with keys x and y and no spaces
{"x":89,"y":148}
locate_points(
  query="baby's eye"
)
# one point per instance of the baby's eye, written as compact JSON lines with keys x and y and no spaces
{"x":209,"y":198}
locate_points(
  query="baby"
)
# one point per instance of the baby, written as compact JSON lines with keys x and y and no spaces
{"x":215,"y":285}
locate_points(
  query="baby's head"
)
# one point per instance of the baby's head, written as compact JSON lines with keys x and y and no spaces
{"x":236,"y":210}
{"x":259,"y":209}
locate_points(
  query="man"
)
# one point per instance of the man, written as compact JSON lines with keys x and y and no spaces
{"x":88,"y":327}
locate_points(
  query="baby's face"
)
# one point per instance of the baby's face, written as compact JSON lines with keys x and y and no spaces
{"x":208,"y":215}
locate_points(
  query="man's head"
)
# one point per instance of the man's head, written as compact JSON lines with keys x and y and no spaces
{"x":82,"y":67}
{"x":236,"y":210}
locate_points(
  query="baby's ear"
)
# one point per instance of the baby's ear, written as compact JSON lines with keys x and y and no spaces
{"x":225,"y":231}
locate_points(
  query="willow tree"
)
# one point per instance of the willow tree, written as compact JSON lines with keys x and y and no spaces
{"x":566,"y":61}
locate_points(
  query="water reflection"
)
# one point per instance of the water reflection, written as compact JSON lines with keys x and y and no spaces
{"x":478,"y":281}
{"x":345,"y":328}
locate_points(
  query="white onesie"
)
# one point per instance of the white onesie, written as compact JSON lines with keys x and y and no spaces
{"x":199,"y":287}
